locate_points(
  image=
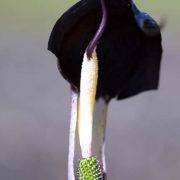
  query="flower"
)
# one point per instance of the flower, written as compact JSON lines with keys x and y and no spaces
{"x":129,"y":51}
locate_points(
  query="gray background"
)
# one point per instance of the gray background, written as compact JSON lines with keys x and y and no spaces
{"x":143,"y":132}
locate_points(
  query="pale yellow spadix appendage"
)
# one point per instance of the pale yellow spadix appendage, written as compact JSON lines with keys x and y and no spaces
{"x":88,"y":85}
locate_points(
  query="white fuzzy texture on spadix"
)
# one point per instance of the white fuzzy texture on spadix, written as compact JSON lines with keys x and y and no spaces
{"x":88,"y":85}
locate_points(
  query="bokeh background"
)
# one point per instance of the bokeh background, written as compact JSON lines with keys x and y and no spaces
{"x":143,"y":132}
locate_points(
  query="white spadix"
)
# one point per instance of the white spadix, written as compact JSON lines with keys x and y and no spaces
{"x":91,"y":115}
{"x":88,"y":85}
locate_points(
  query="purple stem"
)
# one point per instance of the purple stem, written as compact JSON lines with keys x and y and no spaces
{"x":99,"y":32}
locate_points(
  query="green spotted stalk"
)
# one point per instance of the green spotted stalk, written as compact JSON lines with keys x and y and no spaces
{"x":89,"y":169}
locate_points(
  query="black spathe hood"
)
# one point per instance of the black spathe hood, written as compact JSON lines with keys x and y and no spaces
{"x":129,"y":51}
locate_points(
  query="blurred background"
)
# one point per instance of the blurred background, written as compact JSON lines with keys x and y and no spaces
{"x":143,"y":132}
